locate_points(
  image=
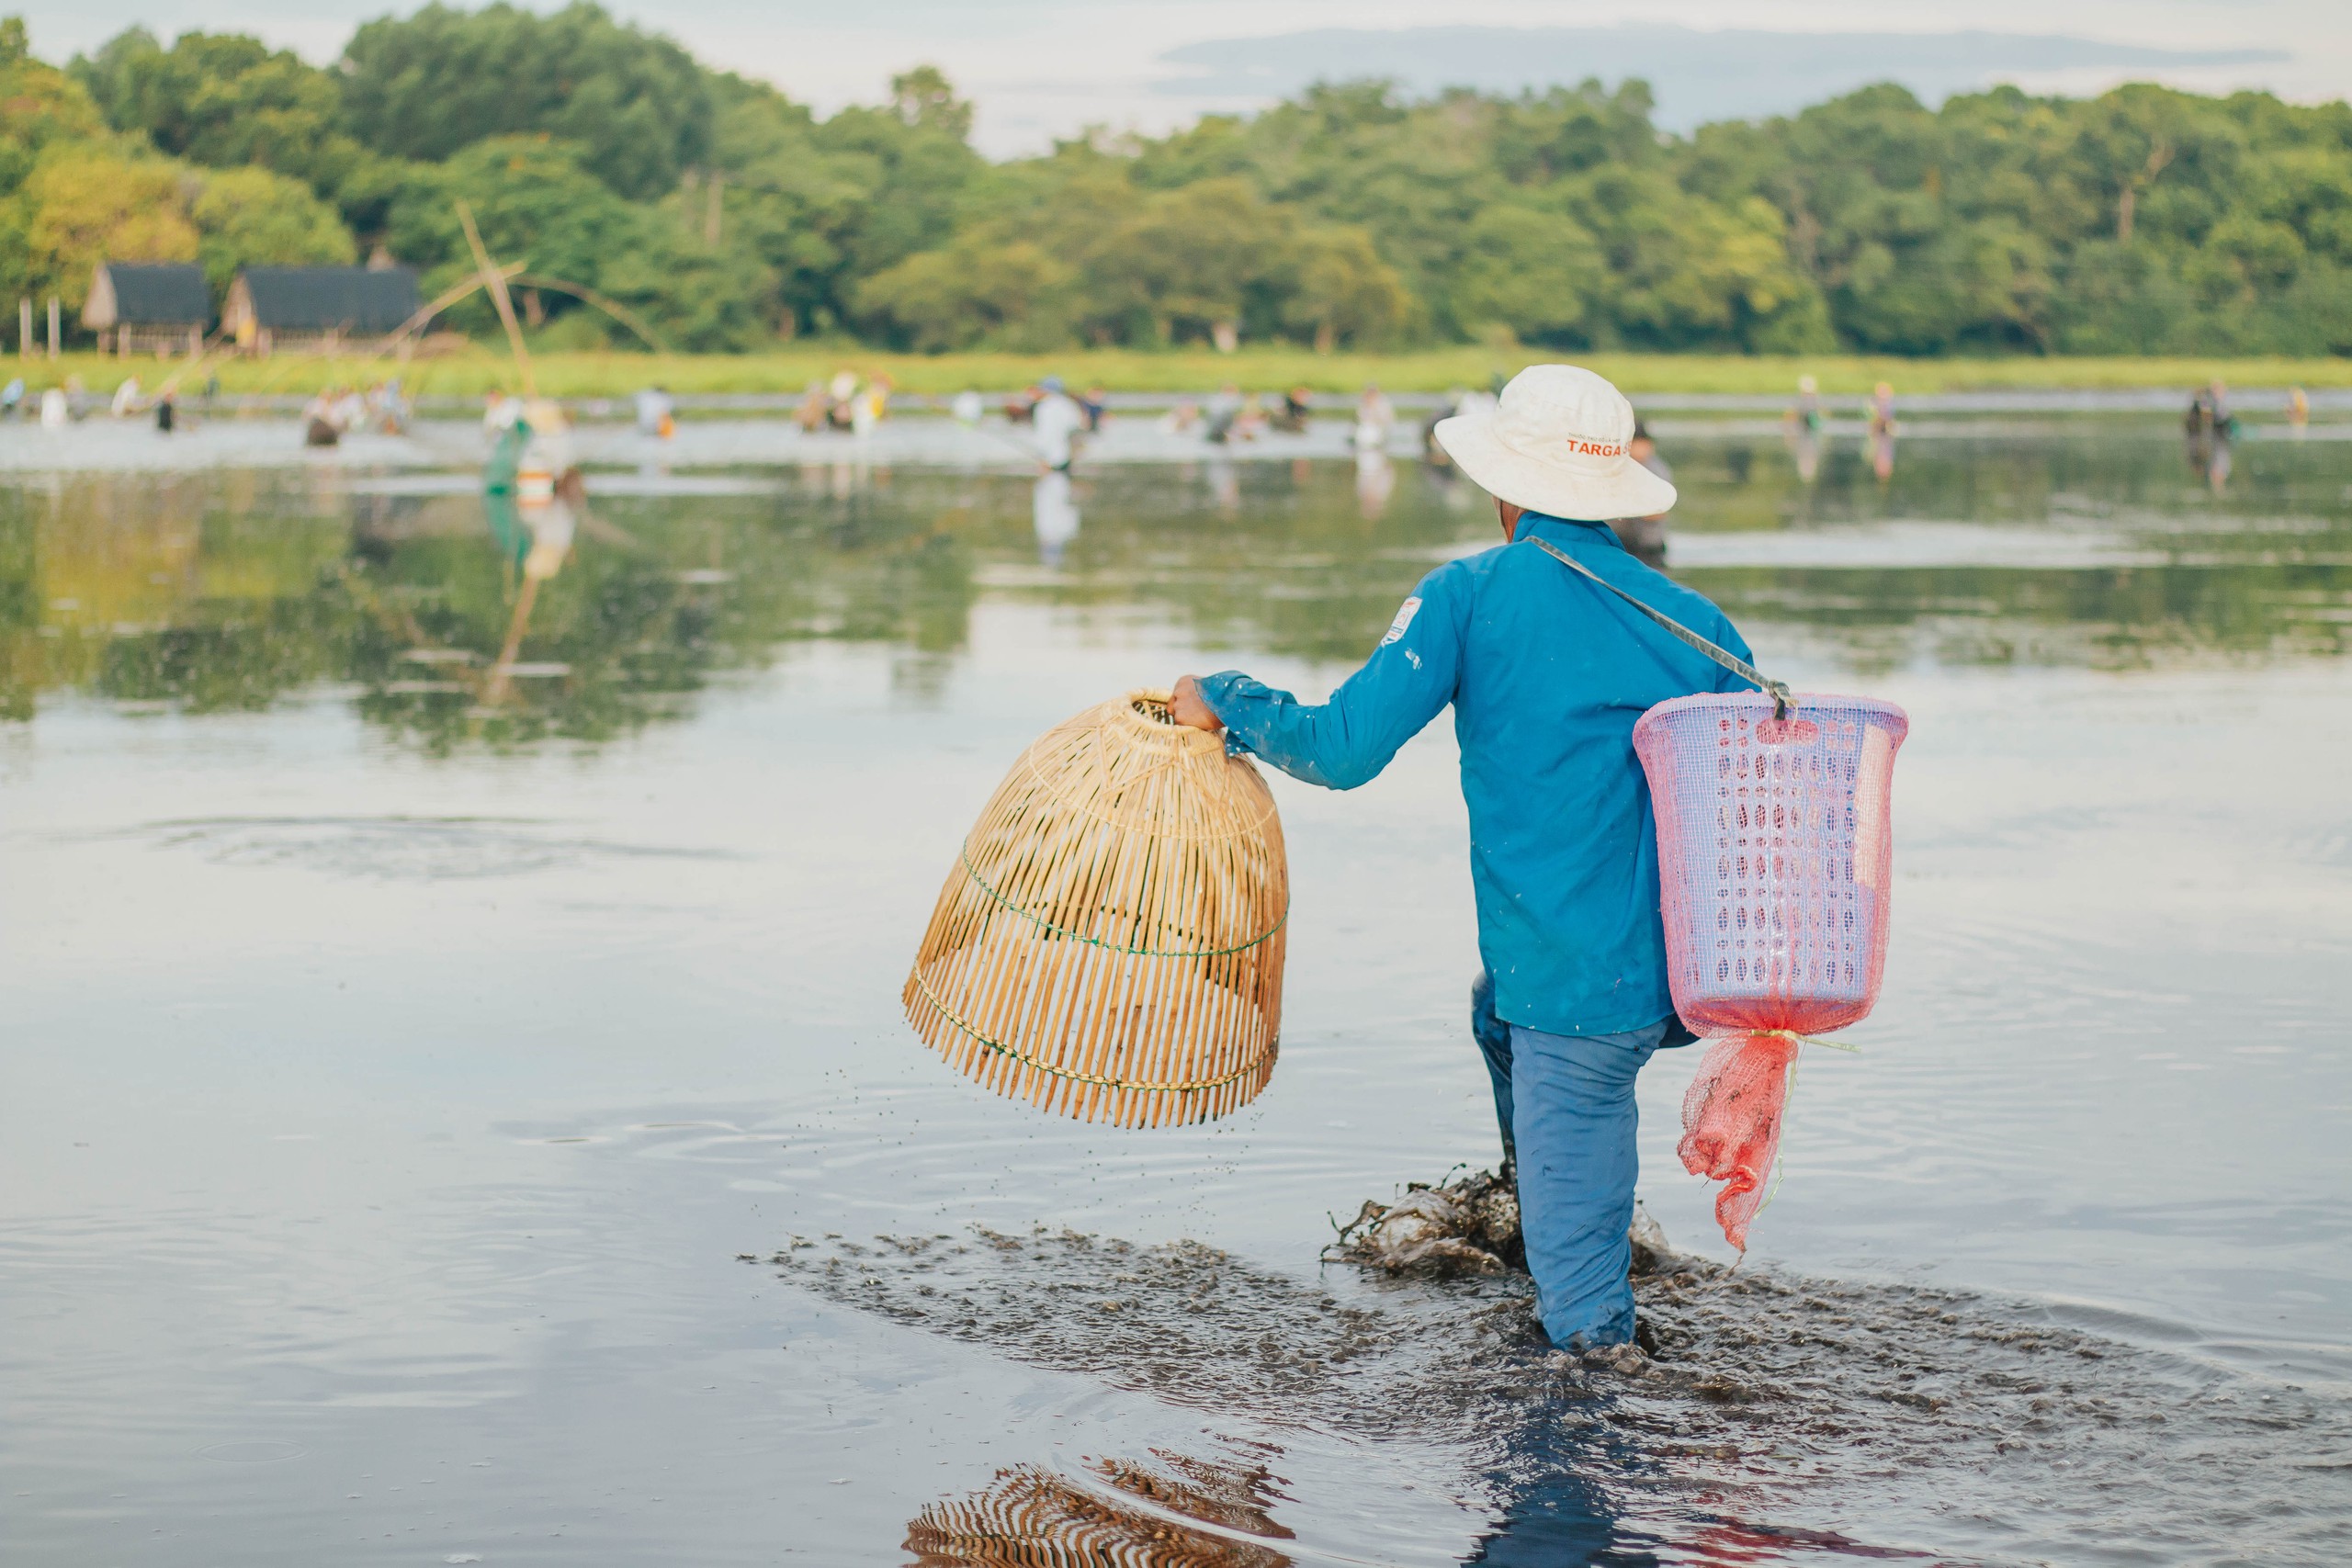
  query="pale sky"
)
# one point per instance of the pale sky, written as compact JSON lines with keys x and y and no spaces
{"x":1044,"y":68}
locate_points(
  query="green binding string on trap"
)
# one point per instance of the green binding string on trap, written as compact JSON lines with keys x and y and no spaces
{"x":1065,"y":934}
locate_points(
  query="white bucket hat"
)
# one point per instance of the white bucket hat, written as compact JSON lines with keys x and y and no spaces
{"x":1554,"y":442}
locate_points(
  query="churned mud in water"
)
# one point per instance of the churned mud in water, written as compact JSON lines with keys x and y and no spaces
{"x":1766,"y":1394}
{"x":1467,"y":1226}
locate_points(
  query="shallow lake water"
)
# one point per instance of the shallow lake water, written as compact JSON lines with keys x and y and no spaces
{"x":446,"y":1120}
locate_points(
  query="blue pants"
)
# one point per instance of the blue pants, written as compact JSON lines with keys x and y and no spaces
{"x":1566,"y":1106}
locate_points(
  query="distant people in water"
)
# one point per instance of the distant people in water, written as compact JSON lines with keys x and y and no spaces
{"x":1447,"y":406}
{"x":1882,"y":436}
{"x":1250,"y":423}
{"x":1643,"y":449}
{"x":815,"y":408}
{"x":320,"y":426}
{"x":2299,"y":410}
{"x":1644,"y":538}
{"x":1297,"y":407}
{"x":1807,"y":414}
{"x":868,"y":404}
{"x":1058,"y":419}
{"x":656,"y":413}
{"x":344,"y":409}
{"x":500,"y":412}
{"x":2206,"y":430}
{"x":393,"y":408}
{"x":1805,"y":419}
{"x":845,"y":402}
{"x":1224,"y":410}
{"x":2208,"y":413}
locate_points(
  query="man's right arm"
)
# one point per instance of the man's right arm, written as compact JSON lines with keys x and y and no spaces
{"x":1348,"y":740}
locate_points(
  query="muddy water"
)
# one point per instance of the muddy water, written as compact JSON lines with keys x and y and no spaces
{"x":397,"y":1070}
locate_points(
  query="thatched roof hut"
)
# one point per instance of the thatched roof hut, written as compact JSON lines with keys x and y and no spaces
{"x":148,"y":305}
{"x":317,"y":306}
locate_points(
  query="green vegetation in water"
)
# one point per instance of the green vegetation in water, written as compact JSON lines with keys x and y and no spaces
{"x":234,"y":590}
{"x":732,"y":219}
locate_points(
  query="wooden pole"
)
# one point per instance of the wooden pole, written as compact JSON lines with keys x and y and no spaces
{"x":496,"y":282}
{"x":416,"y":324}
{"x":25,"y":327}
{"x":56,"y":327}
{"x":611,"y":307}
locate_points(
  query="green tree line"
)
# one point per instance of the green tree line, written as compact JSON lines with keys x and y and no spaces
{"x":2144,"y":220}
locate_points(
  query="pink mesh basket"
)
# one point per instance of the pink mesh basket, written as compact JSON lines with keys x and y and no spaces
{"x":1774,"y":848}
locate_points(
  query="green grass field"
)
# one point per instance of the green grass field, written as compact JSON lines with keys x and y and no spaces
{"x":471,"y":373}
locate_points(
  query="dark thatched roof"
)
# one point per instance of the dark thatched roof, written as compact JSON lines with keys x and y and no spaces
{"x":169,"y":295}
{"x":331,"y":298}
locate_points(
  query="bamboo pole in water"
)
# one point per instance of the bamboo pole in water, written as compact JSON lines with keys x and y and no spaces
{"x":495,"y":281}
{"x":1110,"y":944}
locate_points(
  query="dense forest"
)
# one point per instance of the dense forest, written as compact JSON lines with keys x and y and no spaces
{"x":2144,"y":220}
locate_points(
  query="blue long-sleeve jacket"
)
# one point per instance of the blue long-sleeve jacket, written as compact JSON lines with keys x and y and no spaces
{"x":1547,"y":673}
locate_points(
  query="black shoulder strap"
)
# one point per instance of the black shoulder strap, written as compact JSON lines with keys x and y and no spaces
{"x":1778,"y":690}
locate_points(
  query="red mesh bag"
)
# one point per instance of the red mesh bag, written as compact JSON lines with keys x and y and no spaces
{"x":1774,"y":851}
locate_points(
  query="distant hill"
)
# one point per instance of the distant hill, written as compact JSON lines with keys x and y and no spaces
{"x":1694,"y":77}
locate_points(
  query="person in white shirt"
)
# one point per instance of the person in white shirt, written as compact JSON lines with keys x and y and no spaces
{"x":500,"y":410}
{"x":1057,"y":418}
{"x":654,"y":415}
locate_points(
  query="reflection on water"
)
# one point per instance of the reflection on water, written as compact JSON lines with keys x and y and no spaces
{"x":1177,"y":1510}
{"x":1172,"y":1511}
{"x":387,"y":1090}
{"x":456,"y":619}
{"x":1054,"y":512}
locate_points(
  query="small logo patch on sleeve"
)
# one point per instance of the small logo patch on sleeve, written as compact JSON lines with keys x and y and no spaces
{"x":1405,"y":613}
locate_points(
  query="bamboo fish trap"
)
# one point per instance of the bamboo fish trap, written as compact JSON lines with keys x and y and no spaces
{"x":1110,"y":944}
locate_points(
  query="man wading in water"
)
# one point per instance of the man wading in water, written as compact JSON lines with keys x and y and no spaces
{"x":1547,"y":671}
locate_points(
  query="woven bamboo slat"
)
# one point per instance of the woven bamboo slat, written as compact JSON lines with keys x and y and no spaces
{"x":1110,"y":943}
